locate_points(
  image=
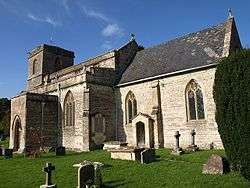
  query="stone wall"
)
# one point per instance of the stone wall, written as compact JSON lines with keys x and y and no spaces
{"x":173,"y":105}
{"x":46,"y":56}
{"x":41,"y":121}
{"x":102,"y":101}
{"x":18,"y":112}
{"x":76,"y":137}
{"x":38,"y":117}
{"x":125,"y":55}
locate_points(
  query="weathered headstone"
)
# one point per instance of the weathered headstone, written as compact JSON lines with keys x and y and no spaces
{"x":60,"y":151}
{"x":147,"y":156}
{"x":32,"y":152}
{"x":89,"y":174}
{"x":86,"y":175}
{"x":7,"y":153}
{"x":178,"y":150}
{"x":215,"y":165}
{"x":192,"y":146}
{"x":48,"y":170}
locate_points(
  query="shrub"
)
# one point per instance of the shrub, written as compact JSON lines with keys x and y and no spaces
{"x":232,"y":99}
{"x":4,"y":116}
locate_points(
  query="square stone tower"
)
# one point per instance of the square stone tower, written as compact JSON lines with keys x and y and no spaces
{"x":44,"y":60}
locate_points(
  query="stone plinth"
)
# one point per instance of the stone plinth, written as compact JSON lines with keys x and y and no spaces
{"x":127,"y":153}
{"x":114,"y":145}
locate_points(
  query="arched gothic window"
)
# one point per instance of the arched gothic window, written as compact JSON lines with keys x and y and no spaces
{"x":35,"y":67}
{"x":58,"y":64}
{"x":69,"y":110}
{"x":194,"y":98}
{"x":131,"y":107}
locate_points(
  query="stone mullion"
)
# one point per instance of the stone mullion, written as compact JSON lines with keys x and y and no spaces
{"x":195,"y":105}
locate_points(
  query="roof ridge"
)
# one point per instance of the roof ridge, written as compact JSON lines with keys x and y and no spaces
{"x":184,"y":36}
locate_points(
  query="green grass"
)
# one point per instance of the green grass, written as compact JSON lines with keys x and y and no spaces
{"x":167,"y":171}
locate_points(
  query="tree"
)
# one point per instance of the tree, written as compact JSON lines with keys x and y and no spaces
{"x":232,"y":99}
{"x":4,"y":115}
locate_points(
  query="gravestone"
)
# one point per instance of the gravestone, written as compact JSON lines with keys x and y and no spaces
{"x":48,"y":170}
{"x":215,"y":165}
{"x":178,"y":150}
{"x":7,"y":153}
{"x":32,"y":152}
{"x":60,"y":151}
{"x":86,"y":175}
{"x":89,"y":174}
{"x":147,"y":156}
{"x":192,"y":146}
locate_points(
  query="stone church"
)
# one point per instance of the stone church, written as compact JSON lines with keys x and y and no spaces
{"x":130,"y":94}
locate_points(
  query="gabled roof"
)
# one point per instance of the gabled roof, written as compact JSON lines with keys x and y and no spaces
{"x":193,"y":50}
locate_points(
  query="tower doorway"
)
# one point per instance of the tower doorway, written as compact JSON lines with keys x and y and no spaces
{"x":17,"y":133}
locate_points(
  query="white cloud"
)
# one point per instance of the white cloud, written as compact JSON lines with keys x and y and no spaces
{"x":94,"y":14}
{"x":66,"y":5}
{"x":48,"y":20}
{"x":112,"y":30}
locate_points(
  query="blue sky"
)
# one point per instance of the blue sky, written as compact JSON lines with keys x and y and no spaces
{"x":91,"y":27}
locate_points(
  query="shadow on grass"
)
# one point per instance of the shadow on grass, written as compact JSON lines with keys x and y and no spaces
{"x":113,"y":184}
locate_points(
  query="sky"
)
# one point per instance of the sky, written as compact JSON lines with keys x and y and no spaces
{"x":91,"y":27}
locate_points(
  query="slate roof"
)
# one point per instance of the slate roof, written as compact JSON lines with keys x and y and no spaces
{"x":190,"y":51}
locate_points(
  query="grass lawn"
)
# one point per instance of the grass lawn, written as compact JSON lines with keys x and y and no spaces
{"x":167,"y":171}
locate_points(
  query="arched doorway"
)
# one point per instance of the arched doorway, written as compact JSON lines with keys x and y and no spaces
{"x":17,"y":133}
{"x":140,"y":134}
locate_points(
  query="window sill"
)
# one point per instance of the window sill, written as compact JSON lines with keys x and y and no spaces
{"x":200,"y":121}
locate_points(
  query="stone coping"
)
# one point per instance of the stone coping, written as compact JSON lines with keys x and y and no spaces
{"x":126,"y":150}
{"x":115,"y":143}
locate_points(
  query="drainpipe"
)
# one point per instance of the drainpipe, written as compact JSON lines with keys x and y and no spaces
{"x":59,"y":115}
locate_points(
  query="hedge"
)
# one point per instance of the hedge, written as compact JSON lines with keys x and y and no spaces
{"x":232,"y":99}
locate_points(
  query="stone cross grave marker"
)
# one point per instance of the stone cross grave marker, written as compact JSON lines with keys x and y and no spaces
{"x":48,"y":170}
{"x":193,"y":133}
{"x":192,"y":146}
{"x":178,"y":150}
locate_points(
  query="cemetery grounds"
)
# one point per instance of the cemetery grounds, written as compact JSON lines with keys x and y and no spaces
{"x":167,"y":171}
